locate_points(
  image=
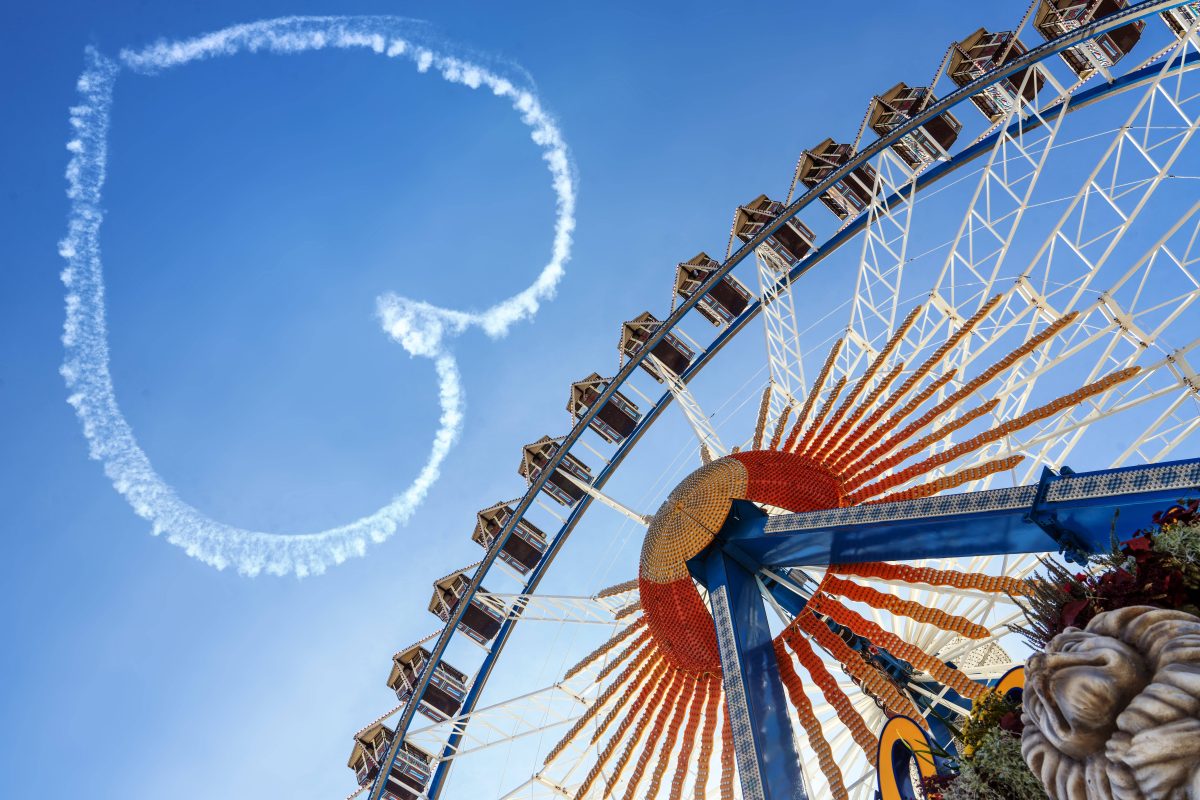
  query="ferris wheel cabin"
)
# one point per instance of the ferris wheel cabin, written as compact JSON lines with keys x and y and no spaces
{"x":791,"y":242}
{"x":982,"y":52}
{"x":851,"y":194}
{"x":559,"y":485}
{"x":1181,"y":18}
{"x":522,"y":550}
{"x":447,"y":687}
{"x":410,"y":773}
{"x":615,"y":420}
{"x":723,"y":302}
{"x":1056,"y":17}
{"x":480,"y":621}
{"x":927,"y":143}
{"x":670,"y":353}
{"x":370,"y":747}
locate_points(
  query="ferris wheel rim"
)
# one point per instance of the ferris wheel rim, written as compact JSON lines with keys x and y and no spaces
{"x":1077,"y":100}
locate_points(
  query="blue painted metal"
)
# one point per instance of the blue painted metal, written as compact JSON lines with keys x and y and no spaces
{"x":1087,"y":509}
{"x":937,"y":717}
{"x":790,"y":601}
{"x":1073,"y":547}
{"x":767,"y":759}
{"x":793,"y":600}
{"x":846,"y":234}
{"x":899,"y":762}
{"x":900,"y":671}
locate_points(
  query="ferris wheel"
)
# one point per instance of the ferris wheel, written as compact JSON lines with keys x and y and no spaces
{"x":996,"y":276}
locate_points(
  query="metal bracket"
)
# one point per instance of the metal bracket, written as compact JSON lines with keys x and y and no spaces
{"x":1071,"y":545}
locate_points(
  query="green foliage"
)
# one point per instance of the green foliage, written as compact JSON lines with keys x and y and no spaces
{"x":987,"y":714}
{"x":990,"y":767}
{"x":995,"y":772}
{"x":1182,"y":544}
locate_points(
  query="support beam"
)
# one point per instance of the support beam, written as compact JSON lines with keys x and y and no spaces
{"x":767,"y":760}
{"x":559,"y":608}
{"x":1066,"y":511}
{"x":530,"y":714}
{"x":783,"y":334}
{"x":884,"y":255}
{"x":620,"y":508}
{"x":701,"y":423}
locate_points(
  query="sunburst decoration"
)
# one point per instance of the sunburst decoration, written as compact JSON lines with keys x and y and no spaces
{"x":662,"y":695}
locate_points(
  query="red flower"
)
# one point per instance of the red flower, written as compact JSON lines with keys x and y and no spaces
{"x":1071,"y":612}
{"x":1011,"y":722}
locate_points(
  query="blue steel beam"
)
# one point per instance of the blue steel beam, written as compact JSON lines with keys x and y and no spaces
{"x":1071,"y":512}
{"x":767,"y":760}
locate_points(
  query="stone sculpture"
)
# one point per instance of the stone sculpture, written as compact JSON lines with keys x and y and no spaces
{"x":1113,"y":711}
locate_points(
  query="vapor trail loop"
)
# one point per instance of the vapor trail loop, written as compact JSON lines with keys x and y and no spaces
{"x":421,"y":328}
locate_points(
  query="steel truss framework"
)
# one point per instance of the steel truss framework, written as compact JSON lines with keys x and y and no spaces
{"x":1115,"y":327}
{"x":783,"y":336}
{"x":881,"y":267}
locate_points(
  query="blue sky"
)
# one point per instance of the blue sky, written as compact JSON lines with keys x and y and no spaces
{"x":256,"y":207}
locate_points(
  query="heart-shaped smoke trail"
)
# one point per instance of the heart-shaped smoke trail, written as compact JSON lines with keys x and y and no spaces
{"x":422,"y":329}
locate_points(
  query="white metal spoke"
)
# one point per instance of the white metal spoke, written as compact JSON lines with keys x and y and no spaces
{"x":938,"y":699}
{"x":965,"y":646}
{"x":700,"y":422}
{"x":530,"y":714}
{"x":1108,"y":337}
{"x":1116,"y":327}
{"x":1112,"y":197}
{"x":593,"y":610}
{"x":996,"y":210}
{"x":991,"y":672}
{"x":596,"y":494}
{"x":989,"y":226}
{"x":538,"y":787}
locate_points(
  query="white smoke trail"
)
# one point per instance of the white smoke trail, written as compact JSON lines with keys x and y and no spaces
{"x":422,"y":329}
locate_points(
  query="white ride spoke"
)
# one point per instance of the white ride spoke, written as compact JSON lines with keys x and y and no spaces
{"x":700,"y":422}
{"x":594,"y":610}
{"x":1073,"y":244}
{"x":998,"y":207}
{"x":527,"y":715}
{"x":1115,"y":339}
{"x":601,"y":497}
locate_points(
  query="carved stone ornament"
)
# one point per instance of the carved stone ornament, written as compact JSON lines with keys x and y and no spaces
{"x":1113,"y":711}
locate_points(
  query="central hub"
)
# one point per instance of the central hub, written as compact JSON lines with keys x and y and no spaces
{"x":689,"y":520}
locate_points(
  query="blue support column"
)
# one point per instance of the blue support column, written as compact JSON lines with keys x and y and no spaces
{"x":767,"y":760}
